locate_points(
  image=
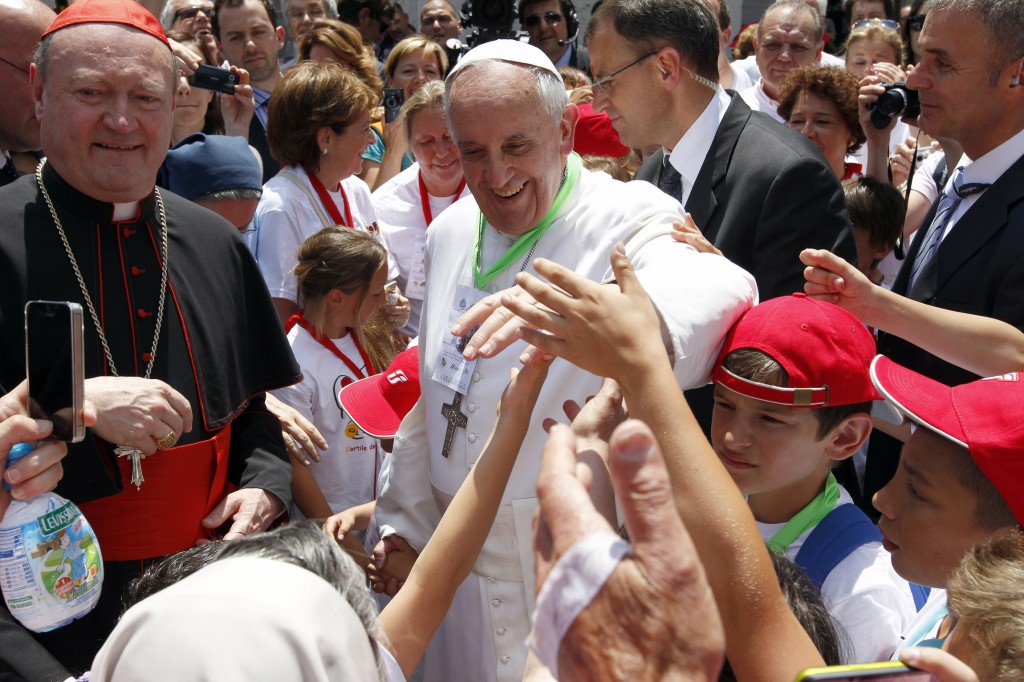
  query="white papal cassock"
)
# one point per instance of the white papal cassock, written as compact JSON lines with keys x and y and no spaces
{"x":699,"y":296}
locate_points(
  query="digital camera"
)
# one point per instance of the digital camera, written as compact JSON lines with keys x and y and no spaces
{"x":897,"y":100}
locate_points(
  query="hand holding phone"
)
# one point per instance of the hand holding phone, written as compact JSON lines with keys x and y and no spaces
{"x":394,"y":98}
{"x":214,"y":78}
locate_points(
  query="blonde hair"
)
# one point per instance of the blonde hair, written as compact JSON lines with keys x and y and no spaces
{"x":875,"y":31}
{"x":430,"y":96}
{"x":411,"y":45}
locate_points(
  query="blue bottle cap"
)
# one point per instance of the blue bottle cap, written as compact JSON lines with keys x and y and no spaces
{"x":17,"y":452}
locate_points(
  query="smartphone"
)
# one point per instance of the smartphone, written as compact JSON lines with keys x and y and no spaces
{"x":878,"y":672}
{"x":214,"y":78}
{"x":54,"y":358}
{"x":394,"y":98}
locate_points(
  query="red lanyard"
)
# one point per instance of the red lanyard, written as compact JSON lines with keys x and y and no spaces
{"x":298,"y":319}
{"x":425,"y":198}
{"x":328,"y":202}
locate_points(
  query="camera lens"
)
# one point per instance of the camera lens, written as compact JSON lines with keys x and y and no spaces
{"x":892,"y":103}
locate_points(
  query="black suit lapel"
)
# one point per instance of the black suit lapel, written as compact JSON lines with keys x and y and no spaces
{"x":258,"y":140}
{"x":702,"y":202}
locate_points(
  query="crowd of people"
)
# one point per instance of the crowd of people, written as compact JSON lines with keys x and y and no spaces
{"x":601,"y":353}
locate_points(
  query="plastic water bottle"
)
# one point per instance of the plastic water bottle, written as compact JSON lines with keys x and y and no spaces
{"x":51,"y":569}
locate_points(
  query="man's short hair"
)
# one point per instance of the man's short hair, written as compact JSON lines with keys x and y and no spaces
{"x":799,"y":6}
{"x":1002,"y":22}
{"x":755,"y":365}
{"x":687,"y":25}
{"x":218,"y":5}
{"x":887,"y":5}
{"x":348,"y":10}
{"x":724,"y":18}
{"x":329,"y":7}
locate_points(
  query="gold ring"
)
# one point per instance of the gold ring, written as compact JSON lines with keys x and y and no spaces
{"x":168,"y":441}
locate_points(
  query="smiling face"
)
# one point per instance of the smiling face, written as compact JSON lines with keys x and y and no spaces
{"x":819,"y":120}
{"x":786,"y":42}
{"x":413,"y":70}
{"x":863,"y":54}
{"x":512,"y":152}
{"x":958,"y":99}
{"x":432,"y":145}
{"x":191,"y":16}
{"x":344,"y":151}
{"x":928,"y":516}
{"x":251,"y":42}
{"x":105,"y":109}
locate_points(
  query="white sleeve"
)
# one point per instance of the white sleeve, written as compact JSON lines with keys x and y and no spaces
{"x":278,"y":238}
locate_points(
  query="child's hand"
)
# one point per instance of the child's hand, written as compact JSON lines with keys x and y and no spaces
{"x":524,"y":386}
{"x":339,"y":525}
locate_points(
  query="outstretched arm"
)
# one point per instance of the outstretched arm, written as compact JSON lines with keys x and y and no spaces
{"x":410,"y":619}
{"x":979,"y":344}
{"x":613,"y":331}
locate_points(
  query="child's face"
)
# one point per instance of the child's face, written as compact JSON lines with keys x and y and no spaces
{"x":359,"y":309}
{"x":928,"y":515}
{"x":767,"y":447}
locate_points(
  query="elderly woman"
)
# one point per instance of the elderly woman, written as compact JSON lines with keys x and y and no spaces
{"x":821,"y":104}
{"x":408,"y":203}
{"x":319,"y":126}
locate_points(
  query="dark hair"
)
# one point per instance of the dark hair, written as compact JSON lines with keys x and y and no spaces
{"x":890,"y":11}
{"x":908,"y":48}
{"x":837,"y":85}
{"x":804,"y":599}
{"x":687,"y":25}
{"x":218,"y":5}
{"x":755,"y":365}
{"x":724,"y":18}
{"x":876,"y":207}
{"x":348,"y":10}
{"x":800,"y":7}
{"x":311,"y":96}
{"x":169,"y":571}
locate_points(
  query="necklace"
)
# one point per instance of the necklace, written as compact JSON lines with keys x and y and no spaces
{"x":121,"y":450}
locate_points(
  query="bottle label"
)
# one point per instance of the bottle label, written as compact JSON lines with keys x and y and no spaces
{"x":51,"y":569}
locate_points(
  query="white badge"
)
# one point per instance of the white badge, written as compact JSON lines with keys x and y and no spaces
{"x":452,"y":369}
{"x":417,"y":284}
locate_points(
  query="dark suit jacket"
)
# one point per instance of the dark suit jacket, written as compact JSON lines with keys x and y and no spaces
{"x":258,"y":140}
{"x":978,"y":268}
{"x":764,"y":194}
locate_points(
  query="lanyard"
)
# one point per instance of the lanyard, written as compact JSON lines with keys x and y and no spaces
{"x":425,"y":198}
{"x":808,"y":517}
{"x":528,"y":240}
{"x":298,"y":319}
{"x":328,"y":202}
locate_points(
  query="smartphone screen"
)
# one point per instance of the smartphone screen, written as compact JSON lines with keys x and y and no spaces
{"x":53,"y":351}
{"x":876,"y":672}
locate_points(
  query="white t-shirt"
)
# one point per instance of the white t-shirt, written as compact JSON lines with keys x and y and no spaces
{"x":347,"y":473}
{"x":758,"y":100}
{"x":864,"y":594}
{"x":404,"y":230}
{"x":285,"y":217}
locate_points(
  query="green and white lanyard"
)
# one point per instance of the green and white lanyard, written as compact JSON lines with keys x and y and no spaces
{"x":807,"y":518}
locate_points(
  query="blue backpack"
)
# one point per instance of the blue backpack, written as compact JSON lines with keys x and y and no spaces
{"x":844,"y":529}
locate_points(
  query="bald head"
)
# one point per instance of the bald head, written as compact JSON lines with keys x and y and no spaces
{"x":24,"y":22}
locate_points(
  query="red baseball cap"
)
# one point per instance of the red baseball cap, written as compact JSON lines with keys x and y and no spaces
{"x":127,"y":12}
{"x":825,"y":350}
{"x":595,"y":134}
{"x":985,"y":416}
{"x":377,"y":404}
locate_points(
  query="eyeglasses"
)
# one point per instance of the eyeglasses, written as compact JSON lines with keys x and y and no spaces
{"x":192,"y":12}
{"x":551,"y":18}
{"x":884,"y":23}
{"x":915,"y":22}
{"x":605,"y":84}
{"x":12,"y":64}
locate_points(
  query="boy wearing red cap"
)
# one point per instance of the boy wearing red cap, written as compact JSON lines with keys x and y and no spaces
{"x":792,"y":397}
{"x":960,"y":481}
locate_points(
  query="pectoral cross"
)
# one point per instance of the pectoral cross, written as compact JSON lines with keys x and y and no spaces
{"x":456,"y":420}
{"x":136,"y":455}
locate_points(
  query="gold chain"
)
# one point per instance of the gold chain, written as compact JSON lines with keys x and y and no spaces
{"x":134,"y":454}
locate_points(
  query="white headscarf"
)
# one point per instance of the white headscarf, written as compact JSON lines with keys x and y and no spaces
{"x":244,"y":619}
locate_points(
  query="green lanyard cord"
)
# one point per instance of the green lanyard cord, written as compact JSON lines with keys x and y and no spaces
{"x":808,"y":517}
{"x":529,"y":239}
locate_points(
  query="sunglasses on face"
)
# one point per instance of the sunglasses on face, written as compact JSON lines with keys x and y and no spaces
{"x":191,"y":12}
{"x":916,"y":22}
{"x":884,"y":23}
{"x":551,"y":18}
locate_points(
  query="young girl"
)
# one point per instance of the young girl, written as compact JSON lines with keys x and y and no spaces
{"x":340,"y":275}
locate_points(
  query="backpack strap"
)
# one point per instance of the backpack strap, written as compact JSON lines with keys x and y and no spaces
{"x":295,"y":180}
{"x":844,"y":529}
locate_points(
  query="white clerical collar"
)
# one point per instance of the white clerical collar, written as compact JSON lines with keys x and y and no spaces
{"x":688,"y":155}
{"x":126,"y":211}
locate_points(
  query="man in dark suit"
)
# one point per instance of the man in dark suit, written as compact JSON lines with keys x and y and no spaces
{"x":969,"y":252}
{"x":759,"y":191}
{"x":250,"y":37}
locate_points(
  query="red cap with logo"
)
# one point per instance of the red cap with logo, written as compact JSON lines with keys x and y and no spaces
{"x":985,"y":416}
{"x":825,"y":350}
{"x":377,"y":404}
{"x":127,"y":12}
